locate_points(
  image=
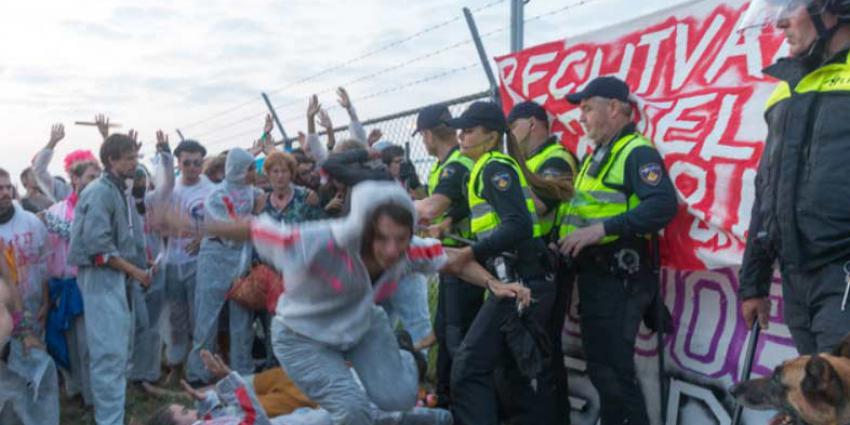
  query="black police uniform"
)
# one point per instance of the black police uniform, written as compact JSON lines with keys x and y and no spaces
{"x":485,"y":347}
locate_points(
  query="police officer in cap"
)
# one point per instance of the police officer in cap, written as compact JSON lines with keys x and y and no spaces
{"x":504,"y":221}
{"x":623,"y":195}
{"x":447,"y":210}
{"x":548,"y":158}
{"x":801,"y":215}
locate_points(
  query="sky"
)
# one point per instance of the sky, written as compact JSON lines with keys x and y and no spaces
{"x":200,"y":65}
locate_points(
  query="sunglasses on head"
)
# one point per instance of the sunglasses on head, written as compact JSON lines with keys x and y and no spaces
{"x":190,"y":162}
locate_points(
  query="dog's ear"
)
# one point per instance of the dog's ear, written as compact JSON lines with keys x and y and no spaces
{"x":822,"y":383}
{"x":843,"y":349}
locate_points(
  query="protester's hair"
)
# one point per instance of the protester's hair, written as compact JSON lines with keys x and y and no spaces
{"x":560,"y":189}
{"x":443,"y":132}
{"x":80,"y":168}
{"x":190,"y":146}
{"x":24,"y":174}
{"x":301,"y":157}
{"x":348,"y":145}
{"x":215,"y":165}
{"x":391,"y":152}
{"x":114,"y":147}
{"x":282,"y":159}
{"x":161,"y":416}
{"x":395,"y":211}
{"x":4,"y":173}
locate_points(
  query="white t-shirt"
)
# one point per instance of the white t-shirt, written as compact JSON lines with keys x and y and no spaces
{"x":191,"y":201}
{"x":28,"y":235}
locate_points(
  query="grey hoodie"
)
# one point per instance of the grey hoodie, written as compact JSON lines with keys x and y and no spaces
{"x":329,"y":294}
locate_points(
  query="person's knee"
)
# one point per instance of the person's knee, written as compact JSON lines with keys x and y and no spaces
{"x":398,"y":399}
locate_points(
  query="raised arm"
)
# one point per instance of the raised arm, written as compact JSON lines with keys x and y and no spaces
{"x":164,"y":188}
{"x":41,"y":162}
{"x":355,"y":127}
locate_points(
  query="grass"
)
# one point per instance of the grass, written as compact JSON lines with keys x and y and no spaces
{"x":140,"y":404}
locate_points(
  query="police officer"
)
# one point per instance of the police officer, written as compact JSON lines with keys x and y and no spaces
{"x":801,"y":215}
{"x":447,"y":210}
{"x":544,"y":154}
{"x":549,"y":159}
{"x":504,"y":221}
{"x":623,"y":194}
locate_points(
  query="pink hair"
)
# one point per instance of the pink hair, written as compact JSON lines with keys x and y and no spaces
{"x":77,"y":157}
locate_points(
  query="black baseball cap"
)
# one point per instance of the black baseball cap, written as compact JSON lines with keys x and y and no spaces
{"x":431,"y":117}
{"x":486,"y":114}
{"x":528,"y":109}
{"x":607,"y":87}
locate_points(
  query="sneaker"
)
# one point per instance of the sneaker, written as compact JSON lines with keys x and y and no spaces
{"x":405,"y":342}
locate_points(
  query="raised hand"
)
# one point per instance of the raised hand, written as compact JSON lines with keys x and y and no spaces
{"x":269,"y":125}
{"x":162,"y":142}
{"x":102,"y":122}
{"x":57,"y":133}
{"x":344,"y":99}
{"x":313,"y":107}
{"x":215,"y":364}
{"x":374,"y":136}
{"x":134,"y":136}
{"x":325,"y":120}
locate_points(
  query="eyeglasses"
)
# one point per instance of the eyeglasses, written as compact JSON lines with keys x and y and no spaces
{"x":195,"y":163}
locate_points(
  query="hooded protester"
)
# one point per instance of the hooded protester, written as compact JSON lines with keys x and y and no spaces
{"x":335,"y":272}
{"x":147,"y":304}
{"x":66,"y":334}
{"x":107,"y":248}
{"x":220,"y":262}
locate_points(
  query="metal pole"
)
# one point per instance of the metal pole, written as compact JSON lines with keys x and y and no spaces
{"x":517,"y":24}
{"x":180,"y":133}
{"x":286,"y":142}
{"x":748,"y":367}
{"x":482,"y":55}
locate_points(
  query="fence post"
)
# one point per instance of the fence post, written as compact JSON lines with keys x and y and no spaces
{"x":482,"y":55}
{"x":517,"y":24}
{"x":287,"y":144}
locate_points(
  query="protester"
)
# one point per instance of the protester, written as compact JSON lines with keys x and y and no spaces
{"x":66,"y":335}
{"x":287,"y":202}
{"x":181,"y":259}
{"x":148,"y":194}
{"x":107,"y":247}
{"x":35,"y":201}
{"x":220,"y":262}
{"x":334,"y":272}
{"x":214,"y":168}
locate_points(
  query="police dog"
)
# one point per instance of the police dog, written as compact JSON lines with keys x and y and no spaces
{"x":813,"y":390}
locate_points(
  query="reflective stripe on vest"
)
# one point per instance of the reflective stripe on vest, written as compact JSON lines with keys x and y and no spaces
{"x":828,"y":78}
{"x":461,"y":229}
{"x":554,"y":150}
{"x":597,"y":198}
{"x":484,"y":217}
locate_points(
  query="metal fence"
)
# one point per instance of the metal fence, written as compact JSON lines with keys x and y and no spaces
{"x":398,"y":128}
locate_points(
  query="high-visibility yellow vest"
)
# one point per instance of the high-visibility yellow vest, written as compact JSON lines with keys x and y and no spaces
{"x":597,"y":198}
{"x":554,"y":150}
{"x":483,"y":216}
{"x":462,"y":228}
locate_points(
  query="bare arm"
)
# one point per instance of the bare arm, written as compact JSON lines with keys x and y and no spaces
{"x":463,"y":265}
{"x":129,"y":269}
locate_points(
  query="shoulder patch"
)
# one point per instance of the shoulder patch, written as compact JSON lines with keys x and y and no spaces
{"x":501,"y":181}
{"x":651,"y":173}
{"x":447,"y":172}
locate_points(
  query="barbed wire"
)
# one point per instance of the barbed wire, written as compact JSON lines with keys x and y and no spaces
{"x":395,"y":89}
{"x":257,"y":115}
{"x":346,"y":63}
{"x":383,"y":71}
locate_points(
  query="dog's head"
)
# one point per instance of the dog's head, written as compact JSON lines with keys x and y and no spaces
{"x":807,"y":390}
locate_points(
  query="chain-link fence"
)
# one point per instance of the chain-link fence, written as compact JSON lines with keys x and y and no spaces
{"x":398,"y":128}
